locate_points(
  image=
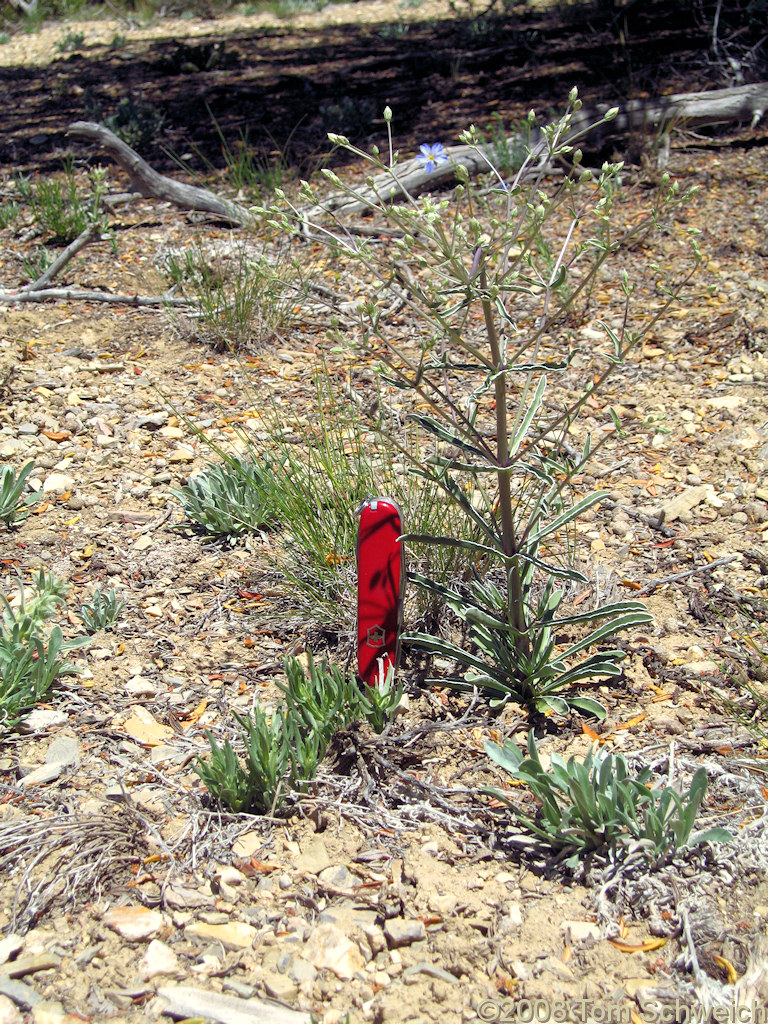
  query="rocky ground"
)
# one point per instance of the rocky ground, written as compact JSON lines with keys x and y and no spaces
{"x":391,"y":892}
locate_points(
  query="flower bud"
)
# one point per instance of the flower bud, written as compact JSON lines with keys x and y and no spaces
{"x":387,"y":114}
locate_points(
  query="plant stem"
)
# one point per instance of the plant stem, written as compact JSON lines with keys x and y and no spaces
{"x":516,"y":599}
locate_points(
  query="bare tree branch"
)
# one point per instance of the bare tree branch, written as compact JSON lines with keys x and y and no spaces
{"x":157,"y":186}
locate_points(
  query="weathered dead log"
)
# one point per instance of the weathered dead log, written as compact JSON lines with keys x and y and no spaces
{"x":693,"y":110}
{"x":82,"y":295}
{"x":153,"y":185}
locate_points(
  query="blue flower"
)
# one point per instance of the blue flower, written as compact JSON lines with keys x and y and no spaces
{"x":431,"y":156}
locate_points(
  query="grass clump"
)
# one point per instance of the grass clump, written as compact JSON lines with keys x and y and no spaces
{"x":746,"y":669}
{"x":31,"y":660}
{"x":9,"y":214}
{"x":507,"y":152}
{"x":284,"y":750}
{"x":242,"y":297}
{"x":595,"y":804}
{"x":58,"y":208}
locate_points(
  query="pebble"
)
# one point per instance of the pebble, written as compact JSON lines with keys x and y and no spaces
{"x":45,"y":773}
{"x":20,"y":993}
{"x":43,"y":719}
{"x":248,"y":844}
{"x":580,"y":931}
{"x":302,"y":971}
{"x":181,"y":455}
{"x":158,"y":959}
{"x":234,"y":935}
{"x":8,"y":1012}
{"x":338,"y":876}
{"x":328,"y":948}
{"x":58,"y":483}
{"x":279,"y":986}
{"x":134,"y":923}
{"x":65,"y":750}
{"x":512,"y":920}
{"x":313,"y":858}
{"x":400,"y":932}
{"x":52,"y":1013}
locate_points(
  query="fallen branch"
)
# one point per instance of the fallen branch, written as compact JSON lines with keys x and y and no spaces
{"x":75,"y":295}
{"x":152,"y":185}
{"x":676,"y":576}
{"x":63,"y":259}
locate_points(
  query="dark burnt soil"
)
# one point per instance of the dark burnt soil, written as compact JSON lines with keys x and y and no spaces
{"x":284,"y":87}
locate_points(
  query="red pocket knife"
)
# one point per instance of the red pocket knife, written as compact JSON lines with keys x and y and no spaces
{"x":380,"y":587}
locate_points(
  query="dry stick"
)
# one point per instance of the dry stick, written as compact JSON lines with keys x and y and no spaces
{"x":650,"y":587}
{"x":75,"y":295}
{"x":157,"y":186}
{"x":63,"y":259}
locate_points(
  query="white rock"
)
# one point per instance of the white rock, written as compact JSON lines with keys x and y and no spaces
{"x":8,"y":1012}
{"x":43,"y":719}
{"x":247,"y":845}
{"x":186,"y":1001}
{"x":158,"y":959}
{"x":685,"y":501}
{"x":181,"y":454}
{"x":329,"y":949}
{"x":64,"y":750}
{"x":45,"y":773}
{"x":58,"y":483}
{"x":134,"y":923}
{"x":313,"y":857}
{"x":51,"y":1013}
{"x":579,"y":931}
{"x":234,"y":935}
{"x":402,"y":933}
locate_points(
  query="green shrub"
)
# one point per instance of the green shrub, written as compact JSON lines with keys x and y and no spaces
{"x":490,"y":274}
{"x":57,"y":206}
{"x":102,"y":611}
{"x":243,"y":298}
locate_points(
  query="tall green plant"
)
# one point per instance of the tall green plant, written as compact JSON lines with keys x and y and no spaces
{"x":491,"y":275}
{"x":30,"y":660}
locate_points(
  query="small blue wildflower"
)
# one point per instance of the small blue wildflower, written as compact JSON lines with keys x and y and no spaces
{"x":431,"y":156}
